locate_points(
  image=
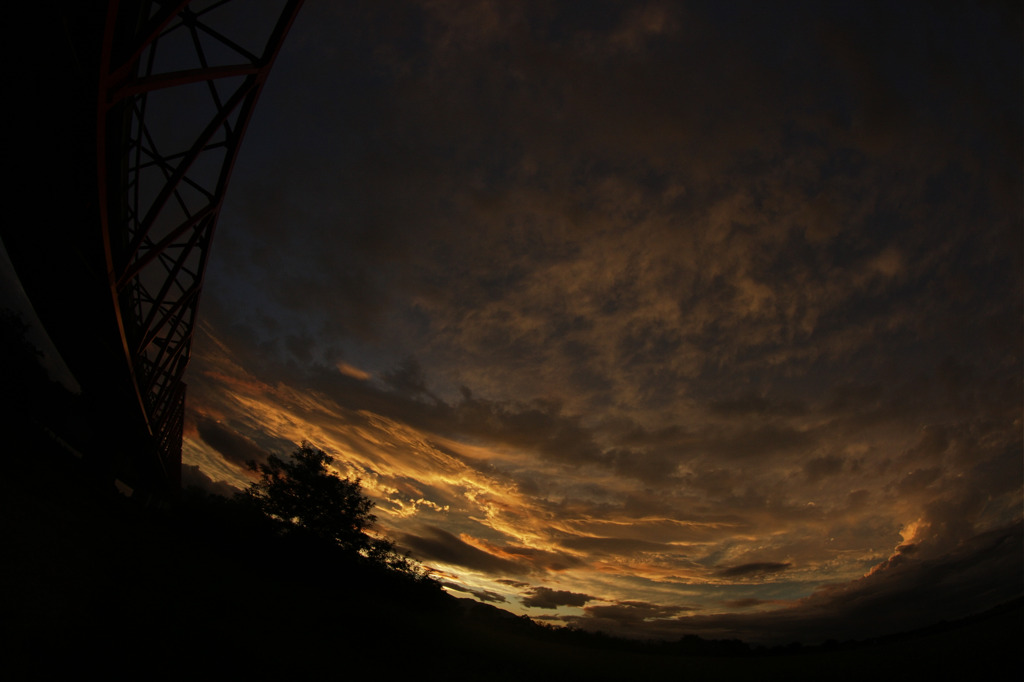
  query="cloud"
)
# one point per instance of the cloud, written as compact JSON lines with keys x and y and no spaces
{"x":603,"y":546}
{"x":978,"y":574}
{"x":546,"y":598}
{"x":903,"y":595}
{"x":635,"y":296}
{"x":757,"y":569}
{"x":440,"y":545}
{"x":752,"y":404}
{"x":746,"y":602}
{"x":631,"y":613}
{"x":917,"y":480}
{"x":481,"y":595}
{"x":350,"y":371}
{"x":539,"y":559}
{"x":407,"y":378}
{"x":820,"y":467}
{"x":233,"y":446}
{"x":193,"y":476}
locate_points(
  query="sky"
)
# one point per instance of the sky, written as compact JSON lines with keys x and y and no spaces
{"x":650,"y":317}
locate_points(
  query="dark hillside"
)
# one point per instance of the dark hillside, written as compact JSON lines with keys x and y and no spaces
{"x":94,"y":582}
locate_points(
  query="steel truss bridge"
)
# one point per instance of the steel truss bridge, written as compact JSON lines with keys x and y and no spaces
{"x":139,"y":110}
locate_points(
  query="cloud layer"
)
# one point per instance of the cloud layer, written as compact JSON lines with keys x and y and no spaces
{"x":654,"y":316}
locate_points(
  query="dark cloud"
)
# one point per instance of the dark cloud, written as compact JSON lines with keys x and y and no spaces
{"x":819,"y":467}
{"x":232,"y":445}
{"x":974,"y":576}
{"x":898,"y":596}
{"x":546,"y":598}
{"x":193,"y":476}
{"x":481,"y":595}
{"x":540,"y":426}
{"x":618,"y":546}
{"x":674,"y":444}
{"x":631,"y":613}
{"x":746,"y":602}
{"x":760,"y":442}
{"x":542,"y":559}
{"x":980,"y":573}
{"x":407,"y":377}
{"x":440,"y":545}
{"x":751,"y":404}
{"x":917,"y":480}
{"x":753,"y":569}
{"x":654,"y":467}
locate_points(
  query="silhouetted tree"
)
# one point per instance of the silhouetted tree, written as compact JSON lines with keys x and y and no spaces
{"x":305,"y":497}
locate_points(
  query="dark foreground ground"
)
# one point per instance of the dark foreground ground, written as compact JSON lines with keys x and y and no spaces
{"x":94,"y":583}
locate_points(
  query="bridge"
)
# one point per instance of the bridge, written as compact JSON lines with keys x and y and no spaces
{"x":131,"y":113}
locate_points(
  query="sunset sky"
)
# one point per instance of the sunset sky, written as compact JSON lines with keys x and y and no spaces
{"x":650,"y":317}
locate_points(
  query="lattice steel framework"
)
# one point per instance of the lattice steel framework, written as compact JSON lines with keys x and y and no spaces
{"x":179,"y":80}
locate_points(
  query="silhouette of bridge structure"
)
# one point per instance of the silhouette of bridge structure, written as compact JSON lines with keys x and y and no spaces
{"x":139,"y":110}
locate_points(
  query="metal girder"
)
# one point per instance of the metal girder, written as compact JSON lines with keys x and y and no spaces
{"x":178,"y":83}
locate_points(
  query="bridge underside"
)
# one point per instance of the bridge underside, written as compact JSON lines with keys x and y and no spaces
{"x":121,"y":206}
{"x":57,"y":251}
